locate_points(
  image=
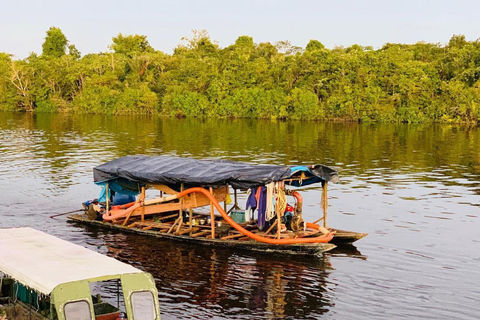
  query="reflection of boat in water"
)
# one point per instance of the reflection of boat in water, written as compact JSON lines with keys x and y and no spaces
{"x":267,"y":224}
{"x":348,"y":250}
{"x":210,"y":282}
{"x":43,"y":277}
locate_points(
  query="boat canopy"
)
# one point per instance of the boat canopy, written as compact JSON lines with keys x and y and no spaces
{"x":42,"y":262}
{"x":173,"y":171}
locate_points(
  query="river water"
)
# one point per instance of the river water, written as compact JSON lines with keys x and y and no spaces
{"x":414,"y":188}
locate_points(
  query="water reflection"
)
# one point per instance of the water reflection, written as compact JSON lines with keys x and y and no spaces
{"x":414,"y":188}
{"x":223,"y":282}
{"x":368,"y":150}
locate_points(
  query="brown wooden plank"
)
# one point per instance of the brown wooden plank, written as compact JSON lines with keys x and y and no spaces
{"x":153,"y":224}
{"x":166,"y":217}
{"x":201,"y":233}
{"x":188,"y":230}
{"x":232,"y":236}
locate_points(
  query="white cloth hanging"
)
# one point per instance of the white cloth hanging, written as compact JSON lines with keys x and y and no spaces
{"x":270,"y":211}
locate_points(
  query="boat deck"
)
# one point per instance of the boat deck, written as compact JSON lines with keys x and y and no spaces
{"x":224,"y":236}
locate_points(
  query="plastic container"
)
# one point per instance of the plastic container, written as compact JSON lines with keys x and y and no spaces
{"x":238,"y":216}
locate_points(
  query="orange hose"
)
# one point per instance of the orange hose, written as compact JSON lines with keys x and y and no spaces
{"x":297,"y":195}
{"x":123,"y":206}
{"x":312,"y":225}
{"x":299,"y":198}
{"x":117,"y":214}
{"x":239,"y":228}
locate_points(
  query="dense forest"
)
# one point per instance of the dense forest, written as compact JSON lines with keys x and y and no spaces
{"x":399,"y":82}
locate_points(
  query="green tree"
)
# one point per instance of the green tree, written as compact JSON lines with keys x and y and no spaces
{"x":244,"y":41}
{"x":55,"y":43}
{"x":130,"y":44}
{"x":314,"y":45}
{"x":73,"y":52}
{"x":8,"y":95}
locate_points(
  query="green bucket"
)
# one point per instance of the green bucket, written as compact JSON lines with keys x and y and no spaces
{"x":238,"y":216}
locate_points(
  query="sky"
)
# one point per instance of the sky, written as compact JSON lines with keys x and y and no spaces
{"x":91,"y":24}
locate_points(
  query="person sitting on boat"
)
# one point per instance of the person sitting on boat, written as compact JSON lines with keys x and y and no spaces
{"x":92,"y":209}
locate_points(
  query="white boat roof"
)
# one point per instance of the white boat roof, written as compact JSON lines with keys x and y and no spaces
{"x":42,"y":262}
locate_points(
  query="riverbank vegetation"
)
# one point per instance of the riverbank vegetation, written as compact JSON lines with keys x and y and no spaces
{"x":419,"y":82}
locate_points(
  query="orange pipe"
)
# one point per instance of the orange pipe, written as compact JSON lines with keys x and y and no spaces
{"x":123,"y":206}
{"x":312,"y":225}
{"x":299,"y":198}
{"x":239,"y":228}
{"x":117,"y":214}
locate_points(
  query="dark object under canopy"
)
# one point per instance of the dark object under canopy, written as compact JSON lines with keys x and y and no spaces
{"x":173,"y":171}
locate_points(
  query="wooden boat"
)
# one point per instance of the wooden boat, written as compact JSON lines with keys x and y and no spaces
{"x":43,"y":277}
{"x":269,"y":224}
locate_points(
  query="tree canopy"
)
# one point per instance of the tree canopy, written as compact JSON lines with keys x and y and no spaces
{"x":130,"y":44}
{"x":55,"y":43}
{"x":419,"y":82}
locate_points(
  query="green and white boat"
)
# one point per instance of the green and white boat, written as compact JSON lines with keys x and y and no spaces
{"x":44,"y":277}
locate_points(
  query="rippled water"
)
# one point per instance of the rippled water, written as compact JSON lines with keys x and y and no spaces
{"x":414,"y":188}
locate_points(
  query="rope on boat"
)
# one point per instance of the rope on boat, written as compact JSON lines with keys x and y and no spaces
{"x":281,"y":203}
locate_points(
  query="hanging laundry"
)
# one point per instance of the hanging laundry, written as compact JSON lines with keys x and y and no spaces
{"x":262,"y":206}
{"x":251,"y":199}
{"x":251,"y":204}
{"x":270,"y":212}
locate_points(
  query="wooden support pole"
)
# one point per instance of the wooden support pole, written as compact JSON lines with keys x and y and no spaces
{"x":181,"y":202}
{"x":277,"y":209}
{"x":179,"y":224}
{"x":324,"y":203}
{"x":143,"y":199}
{"x":235,"y":205}
{"x":126,"y":219}
{"x":173,"y":225}
{"x":279,"y":224}
{"x":107,"y":196}
{"x":212,"y":216}
{"x":318,"y":220}
{"x":190,"y":218}
{"x":180,"y":211}
{"x":225,"y":202}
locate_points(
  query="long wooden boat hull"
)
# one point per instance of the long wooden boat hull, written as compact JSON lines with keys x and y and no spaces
{"x":343,"y":236}
{"x":251,"y":245}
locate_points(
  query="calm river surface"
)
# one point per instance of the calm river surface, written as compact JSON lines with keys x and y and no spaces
{"x":414,"y":188}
